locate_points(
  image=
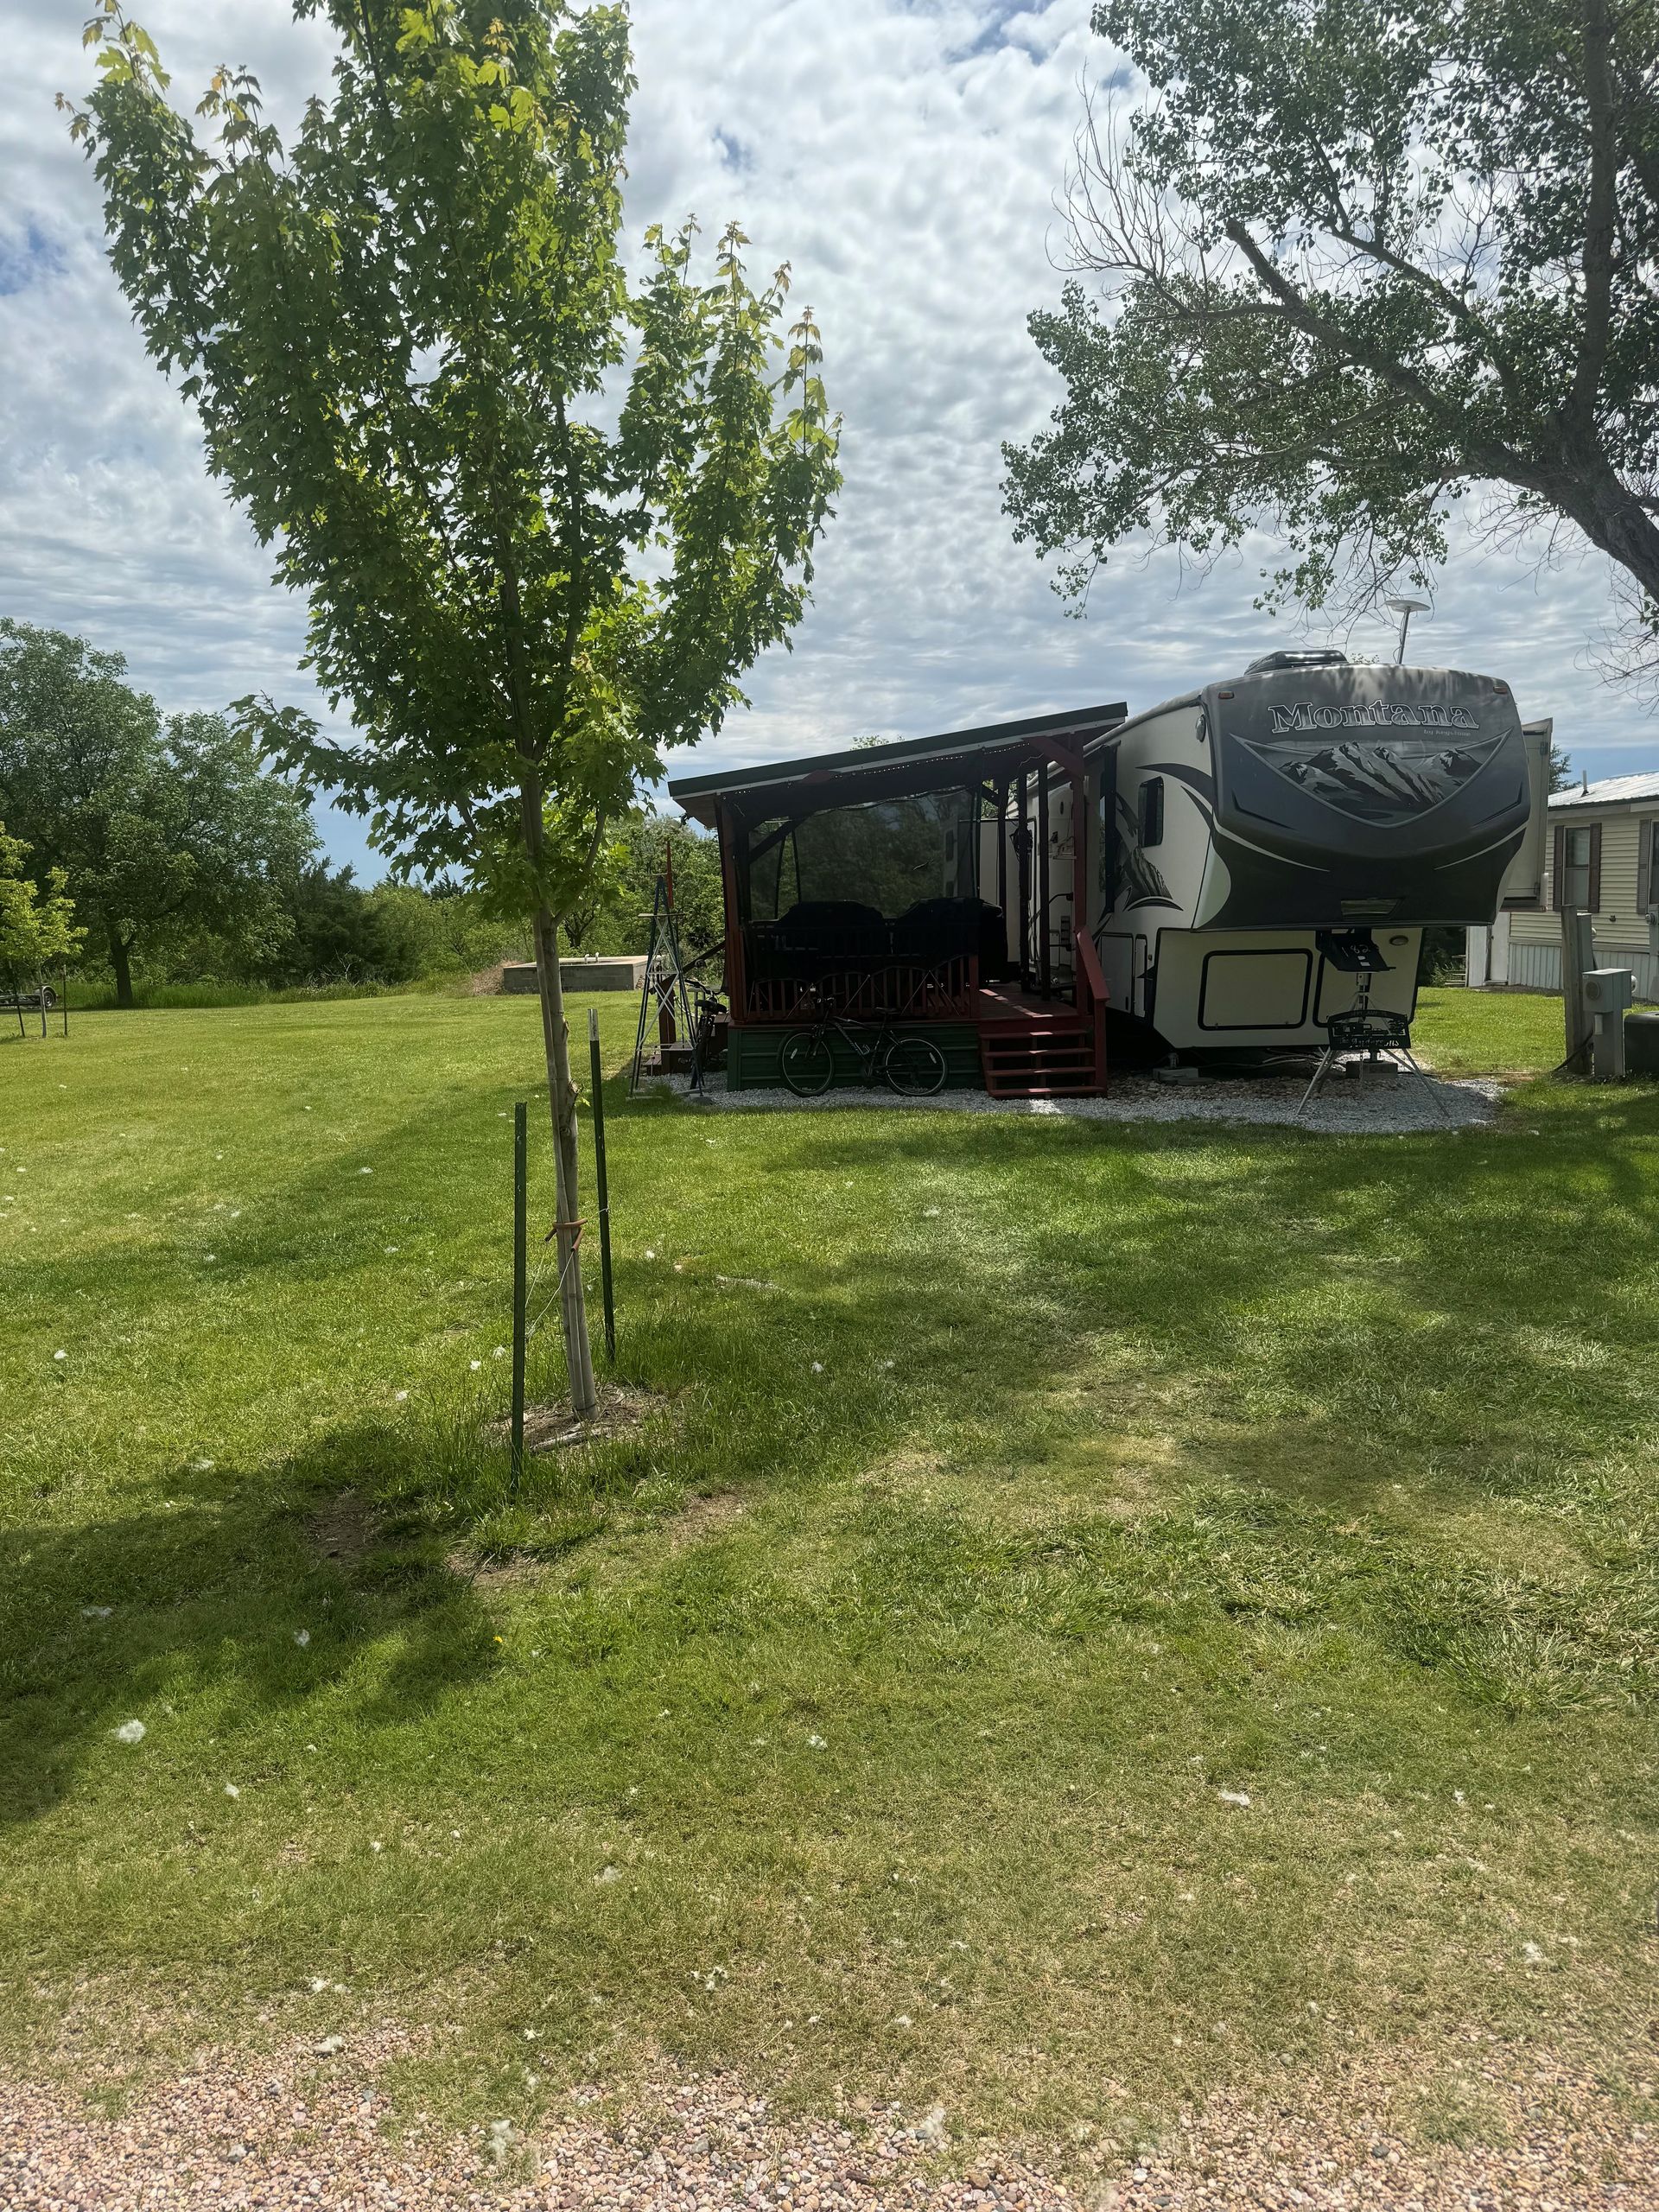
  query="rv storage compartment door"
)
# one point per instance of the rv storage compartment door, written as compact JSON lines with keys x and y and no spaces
{"x":1523,"y":879}
{"x":1247,"y":989}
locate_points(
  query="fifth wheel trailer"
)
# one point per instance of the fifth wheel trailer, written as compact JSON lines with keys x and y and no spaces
{"x":1250,"y":834}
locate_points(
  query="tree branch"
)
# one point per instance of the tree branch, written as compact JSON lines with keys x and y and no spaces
{"x":373,"y":58}
{"x":1490,"y":456}
{"x":575,"y":611}
{"x":1374,"y":249}
{"x":1601,"y":223}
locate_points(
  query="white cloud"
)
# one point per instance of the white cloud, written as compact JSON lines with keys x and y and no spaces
{"x":904,"y":158}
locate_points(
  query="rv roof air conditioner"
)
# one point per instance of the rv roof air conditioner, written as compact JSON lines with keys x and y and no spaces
{"x":1285,"y":659}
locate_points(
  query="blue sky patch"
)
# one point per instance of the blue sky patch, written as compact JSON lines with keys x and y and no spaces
{"x":734,"y":153}
{"x":993,"y":33}
{"x":27,"y":257}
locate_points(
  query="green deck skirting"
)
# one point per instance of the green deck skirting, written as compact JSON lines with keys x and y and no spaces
{"x":751,"y":1055}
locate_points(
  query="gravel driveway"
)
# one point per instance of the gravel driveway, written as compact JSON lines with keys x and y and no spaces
{"x":295,"y":2132}
{"x":1350,"y":1106}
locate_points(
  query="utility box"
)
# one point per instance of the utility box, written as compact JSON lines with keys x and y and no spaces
{"x":1606,"y":993}
{"x":1608,"y":990}
{"x":1642,"y":1043}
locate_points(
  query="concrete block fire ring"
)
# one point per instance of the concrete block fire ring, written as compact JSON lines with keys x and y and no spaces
{"x":598,"y":972}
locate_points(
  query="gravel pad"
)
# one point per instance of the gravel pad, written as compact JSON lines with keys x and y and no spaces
{"x":1349,"y":1106}
{"x":289,"y":2132}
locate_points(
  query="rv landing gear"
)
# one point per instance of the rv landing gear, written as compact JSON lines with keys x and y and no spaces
{"x":1377,"y":1035}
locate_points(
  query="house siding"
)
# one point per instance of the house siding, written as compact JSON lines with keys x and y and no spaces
{"x":1618,"y":925}
{"x":1617,"y":919}
{"x":1538,"y":967}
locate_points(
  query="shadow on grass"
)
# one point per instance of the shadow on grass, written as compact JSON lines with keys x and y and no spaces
{"x":1322,"y":1326}
{"x":207,"y":1593}
{"x":1312,"y":1321}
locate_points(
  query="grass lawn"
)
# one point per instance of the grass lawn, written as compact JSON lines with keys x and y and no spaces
{"x":1499,"y":1032}
{"x":1014,"y":1500}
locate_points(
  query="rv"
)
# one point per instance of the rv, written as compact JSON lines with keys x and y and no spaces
{"x":1269,"y":851}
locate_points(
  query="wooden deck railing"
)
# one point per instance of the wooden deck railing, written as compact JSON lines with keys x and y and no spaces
{"x":945,"y":991}
{"x":1092,"y":997}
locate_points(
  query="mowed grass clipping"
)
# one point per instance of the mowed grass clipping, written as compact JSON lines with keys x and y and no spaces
{"x":1088,"y":1613}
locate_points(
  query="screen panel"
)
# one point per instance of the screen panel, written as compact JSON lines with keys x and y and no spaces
{"x":889,"y":856}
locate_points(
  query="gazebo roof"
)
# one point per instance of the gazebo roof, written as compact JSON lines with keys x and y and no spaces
{"x":877,"y":772}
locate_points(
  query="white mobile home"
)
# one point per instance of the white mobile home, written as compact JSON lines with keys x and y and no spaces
{"x":1600,"y":852}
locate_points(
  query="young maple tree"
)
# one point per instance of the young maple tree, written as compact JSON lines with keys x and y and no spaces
{"x":545,"y":519}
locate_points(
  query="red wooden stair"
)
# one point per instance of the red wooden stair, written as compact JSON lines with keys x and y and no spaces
{"x":1055,"y":1056}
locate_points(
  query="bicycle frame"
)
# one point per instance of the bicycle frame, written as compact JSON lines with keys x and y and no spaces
{"x":870,"y":1056}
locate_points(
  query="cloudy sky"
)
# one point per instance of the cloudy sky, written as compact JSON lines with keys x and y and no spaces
{"x":902,"y":155}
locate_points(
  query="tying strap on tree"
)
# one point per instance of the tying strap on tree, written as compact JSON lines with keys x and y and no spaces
{"x":575,"y":1225}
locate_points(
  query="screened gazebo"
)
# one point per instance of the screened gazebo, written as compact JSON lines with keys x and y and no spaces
{"x":936,"y":882}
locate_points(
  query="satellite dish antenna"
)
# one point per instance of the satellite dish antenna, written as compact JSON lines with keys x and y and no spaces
{"x":1405,"y":608}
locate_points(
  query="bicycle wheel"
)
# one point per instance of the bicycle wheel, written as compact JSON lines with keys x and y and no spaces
{"x":806,"y":1062}
{"x":915,"y":1065}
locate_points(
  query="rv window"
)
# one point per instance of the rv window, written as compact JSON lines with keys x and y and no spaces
{"x":1575,"y":888}
{"x":1152,"y":811}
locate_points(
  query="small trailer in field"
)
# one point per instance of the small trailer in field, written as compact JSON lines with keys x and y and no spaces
{"x":1274,"y":847}
{"x":41,"y":999}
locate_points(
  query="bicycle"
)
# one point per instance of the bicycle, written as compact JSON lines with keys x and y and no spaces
{"x":707,"y":1012}
{"x":914,"y":1066}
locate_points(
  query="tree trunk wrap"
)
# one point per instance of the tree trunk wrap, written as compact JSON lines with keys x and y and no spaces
{"x":561,"y":1096}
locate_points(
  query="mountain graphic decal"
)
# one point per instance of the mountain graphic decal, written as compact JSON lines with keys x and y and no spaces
{"x":1140,"y":882}
{"x":1382,"y":780}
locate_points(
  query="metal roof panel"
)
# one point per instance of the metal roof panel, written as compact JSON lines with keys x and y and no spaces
{"x":919,"y":754}
{"x":1610,"y":790}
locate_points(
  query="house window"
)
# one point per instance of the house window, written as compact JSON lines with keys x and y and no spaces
{"x":1650,"y":874}
{"x":1576,"y":853}
{"x":1152,"y":812}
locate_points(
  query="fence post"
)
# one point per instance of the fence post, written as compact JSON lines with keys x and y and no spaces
{"x":520,"y":1214}
{"x":64,"y":1001}
{"x":599,"y":1177}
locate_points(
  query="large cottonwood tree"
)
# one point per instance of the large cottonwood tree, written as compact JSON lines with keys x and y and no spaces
{"x":1362,"y":259}
{"x":545,"y":519}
